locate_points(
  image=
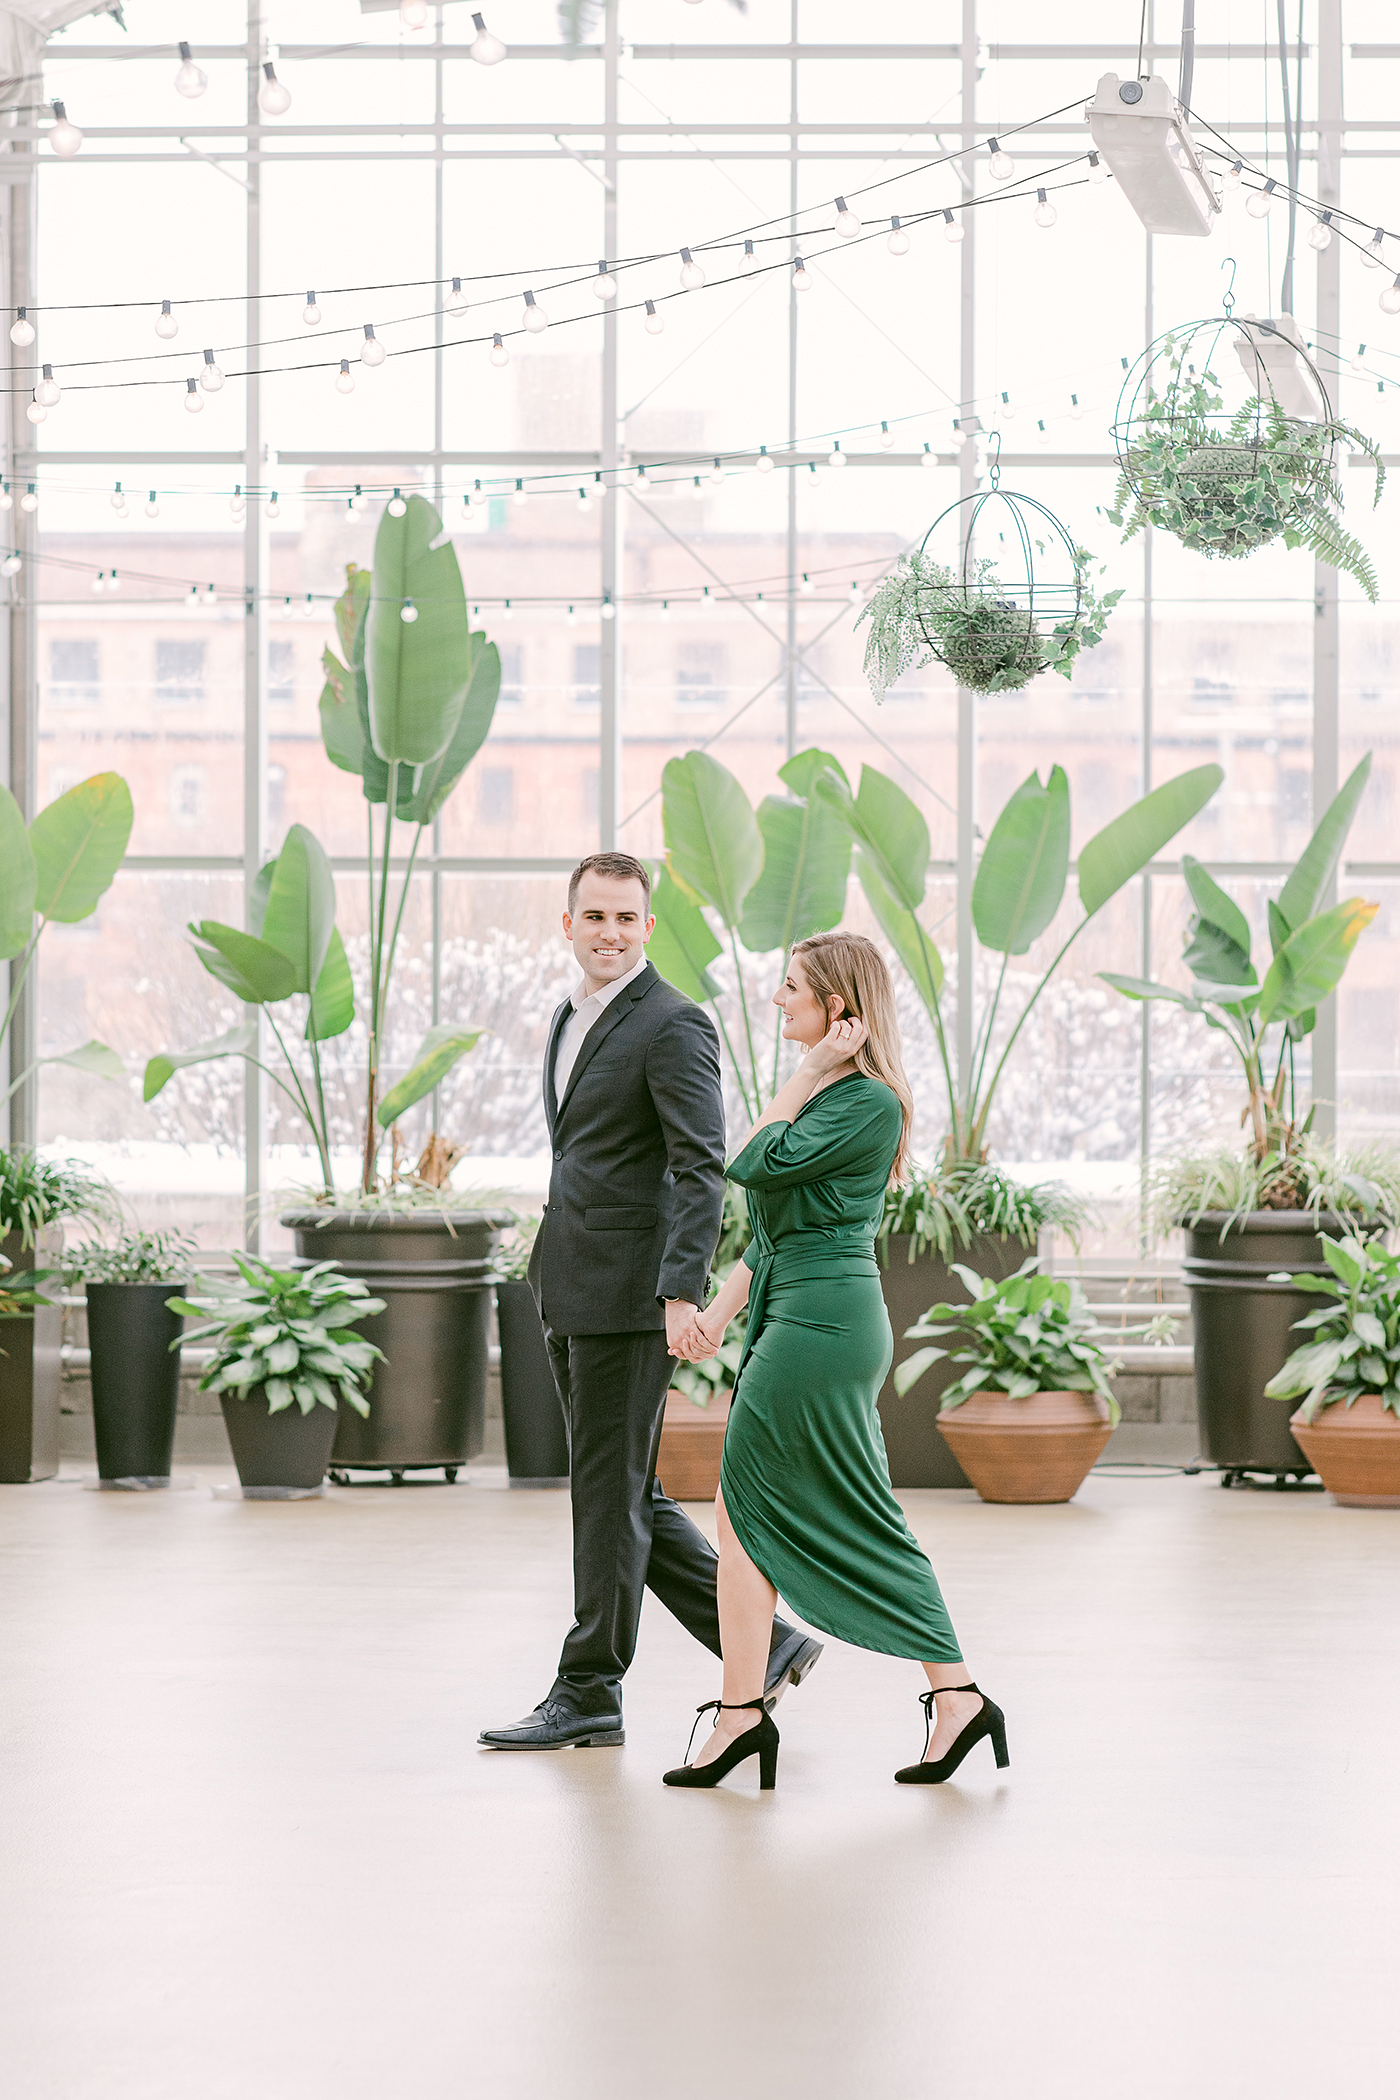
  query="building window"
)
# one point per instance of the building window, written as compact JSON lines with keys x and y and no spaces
{"x":188,"y":794}
{"x":276,"y":799}
{"x":588,"y":674}
{"x":1294,"y":794}
{"x":179,"y":671}
{"x":700,"y":675}
{"x":73,"y":672}
{"x":281,"y":673}
{"x":512,"y":684}
{"x":496,"y":795}
{"x":592,"y":794}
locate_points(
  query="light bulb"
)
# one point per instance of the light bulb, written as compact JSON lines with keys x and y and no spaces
{"x":1261,"y":201}
{"x":959,"y":434}
{"x":704,"y":602}
{"x":152,"y":507}
{"x":190,"y":81}
{"x":486,"y":49}
{"x":345,"y":378}
{"x":397,"y":506}
{"x":813,"y":477}
{"x":1390,"y":298}
{"x":311,"y":312}
{"x":1097,"y":171}
{"x":1076,"y":413}
{"x":477,"y":497}
{"x":1044,"y":213}
{"x":801,"y":276}
{"x":1358,"y":362}
{"x":806,"y":586}
{"x":11,"y":565}
{"x":763,"y":462}
{"x":607,"y":610}
{"x":194,"y":400}
{"x":1374,"y":249}
{"x":583,"y":502}
{"x":717,"y":472}
{"x":7,"y":501}
{"x":886,"y":437}
{"x":274,"y":100}
{"x":569,"y":618}
{"x":836,"y":457}
{"x":456,"y":298}
{"x":953,"y":229}
{"x":1321,"y":235}
{"x":359,"y":502}
{"x":65,"y":138}
{"x":36,"y":411}
{"x":211,"y":378}
{"x":272,"y":508}
{"x":847,"y":224}
{"x":408,"y":612}
{"x":48,"y":390}
{"x":929,"y":457}
{"x":535,"y":317}
{"x":519,"y":497}
{"x":1003,"y":167}
{"x":506,"y":613}
{"x":167,"y":326}
{"x":114,"y":582}
{"x":237,"y":504}
{"x":692,"y":276}
{"x":413,"y":14}
{"x":898,"y":242}
{"x":499,"y":353}
{"x":371,"y":349}
{"x":654,"y":322}
{"x":855,"y":592}
{"x":697,"y":492}
{"x":1042,"y":435}
{"x":1234,"y":175}
{"x":604,"y":284}
{"x":1008,"y":409}
{"x":749,"y":260}
{"x":21,"y":328}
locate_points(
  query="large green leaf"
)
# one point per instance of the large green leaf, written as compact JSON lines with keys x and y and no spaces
{"x":805,"y":766}
{"x":1317,"y":864}
{"x":342,"y":731}
{"x":887,"y":826}
{"x":1144,"y":988}
{"x":682,"y":944}
{"x":714,"y":847}
{"x":417,"y":671}
{"x":350,"y":609}
{"x":1310,"y":963}
{"x":1021,"y":876}
{"x":333,"y":999}
{"x":253,"y":969}
{"x":901,"y":928}
{"x":806,"y":866}
{"x":1219,"y":948}
{"x":79,"y":843}
{"x":1214,"y":906}
{"x":299,"y":918}
{"x":437,"y":1054}
{"x":234,"y":1042}
{"x":1124,"y":847}
{"x":19,"y":878}
{"x":94,"y":1058}
{"x":440,"y":775}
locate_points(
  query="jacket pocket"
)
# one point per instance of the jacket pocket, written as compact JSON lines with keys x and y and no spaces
{"x":608,"y":1219}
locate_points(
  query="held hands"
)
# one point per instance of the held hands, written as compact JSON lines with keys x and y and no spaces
{"x":686,"y":1336}
{"x":836,"y":1048}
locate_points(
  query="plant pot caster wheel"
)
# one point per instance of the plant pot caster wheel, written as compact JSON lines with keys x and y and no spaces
{"x":340,"y":1479}
{"x":396,"y":1475}
{"x":449,"y":1474}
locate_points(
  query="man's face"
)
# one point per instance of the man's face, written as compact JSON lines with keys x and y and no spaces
{"x":608,"y":928}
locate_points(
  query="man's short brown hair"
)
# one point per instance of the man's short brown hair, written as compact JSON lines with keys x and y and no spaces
{"x":618,"y":867}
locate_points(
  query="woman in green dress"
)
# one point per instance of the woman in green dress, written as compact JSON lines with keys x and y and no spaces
{"x":805,"y":1507}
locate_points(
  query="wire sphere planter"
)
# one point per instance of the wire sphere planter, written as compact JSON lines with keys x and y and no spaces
{"x":995,"y":620}
{"x":1226,"y":480}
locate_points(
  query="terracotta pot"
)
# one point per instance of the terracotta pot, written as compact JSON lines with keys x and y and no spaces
{"x":1033,"y":1450}
{"x":918,"y":1453}
{"x":692,"y":1439}
{"x":1356,"y":1450}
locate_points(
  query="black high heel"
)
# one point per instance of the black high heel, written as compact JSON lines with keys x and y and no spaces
{"x":760,"y":1742}
{"x":991,"y":1721}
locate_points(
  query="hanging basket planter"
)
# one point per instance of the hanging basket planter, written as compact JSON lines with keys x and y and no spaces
{"x":996,"y":622}
{"x":1225,"y":482}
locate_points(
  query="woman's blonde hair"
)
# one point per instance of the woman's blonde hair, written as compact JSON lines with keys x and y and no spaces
{"x":850,"y":967}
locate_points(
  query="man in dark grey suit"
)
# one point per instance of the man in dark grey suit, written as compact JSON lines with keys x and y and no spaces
{"x":620,"y":1267}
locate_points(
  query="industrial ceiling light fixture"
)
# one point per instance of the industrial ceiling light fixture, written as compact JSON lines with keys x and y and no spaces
{"x":1274,"y":359}
{"x":1140,"y":130}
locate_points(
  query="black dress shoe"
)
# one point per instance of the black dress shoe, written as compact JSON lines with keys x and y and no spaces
{"x":553,"y":1726}
{"x":795,"y":1659}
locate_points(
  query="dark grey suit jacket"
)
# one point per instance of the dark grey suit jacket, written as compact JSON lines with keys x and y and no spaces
{"x":637,"y":1184}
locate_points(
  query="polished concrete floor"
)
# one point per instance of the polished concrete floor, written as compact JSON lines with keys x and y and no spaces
{"x":249,"y":1851}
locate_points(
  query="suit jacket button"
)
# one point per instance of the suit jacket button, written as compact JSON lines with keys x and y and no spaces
{"x":558,"y":1155}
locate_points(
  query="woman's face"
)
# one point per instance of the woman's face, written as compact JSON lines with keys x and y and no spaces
{"x":805,"y":1019}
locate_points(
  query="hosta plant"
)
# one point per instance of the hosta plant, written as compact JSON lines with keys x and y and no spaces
{"x":1355,"y":1346}
{"x":288,"y":1331}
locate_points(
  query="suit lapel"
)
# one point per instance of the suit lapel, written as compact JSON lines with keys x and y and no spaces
{"x":556,"y":1029}
{"x":612,"y":1014}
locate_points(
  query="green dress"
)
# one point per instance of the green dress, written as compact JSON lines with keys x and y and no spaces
{"x":805,"y":1478}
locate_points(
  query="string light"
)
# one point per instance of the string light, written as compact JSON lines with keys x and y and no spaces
{"x":763,"y":462}
{"x":665,"y":608}
{"x":194,"y":400}
{"x":717,"y":472}
{"x":806,"y":586}
{"x":65,"y":138}
{"x":21,"y":328}
{"x":1075,"y":411}
{"x":478,"y":496}
{"x":499,"y":353}
{"x":1357,"y":364}
{"x":1261,"y":201}
{"x":584,"y":503}
{"x":1374,"y":249}
{"x":116,"y":499}
{"x":535,"y":317}
{"x":929,"y":457}
{"x":886,"y":437}
{"x":37,"y":413}
{"x":457,"y":298}
{"x":749,"y":260}
{"x":519,"y":497}
{"x":272,"y":508}
{"x":1044,"y":213}
{"x":191,"y":80}
{"x":953,"y":229}
{"x":959,"y":434}
{"x":569,"y":620}
{"x":211,"y":378}
{"x":1042,"y":434}
{"x":371,"y":350}
{"x":152,"y":507}
{"x":48,"y":390}
{"x":641,"y":473}
{"x":236,"y":502}
{"x":855,"y":592}
{"x":655,"y":322}
{"x":692,"y":276}
{"x":345,"y":378}
{"x":506,"y":612}
{"x":11,"y":565}
{"x":7,"y":500}
{"x":697,"y":492}
{"x":167,"y":327}
{"x":114,"y":582}
{"x":607,"y":610}
{"x":836,"y":457}
{"x":274,"y":100}
{"x":1390,"y":298}
{"x":408,"y":612}
{"x":1234,"y":175}
{"x":1321,"y":235}
{"x":396,"y":505}
{"x":1097,"y":171}
{"x":413,"y":14}
{"x":311,"y":312}
{"x":705,"y":602}
{"x":813,"y":476}
{"x":1002,"y":165}
{"x":1008,"y":409}
{"x":847,"y":224}
{"x":898,"y":242}
{"x":801,"y":276}
{"x":359,"y":501}
{"x":486,"y":49}
{"x":604,"y":284}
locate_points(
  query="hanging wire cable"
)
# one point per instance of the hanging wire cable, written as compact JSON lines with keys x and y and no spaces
{"x":1292,"y":147}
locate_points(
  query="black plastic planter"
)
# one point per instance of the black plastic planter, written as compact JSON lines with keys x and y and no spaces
{"x":135,"y":1380}
{"x":1243,"y":1328}
{"x":279,"y":1457}
{"x":428,"y":1398}
{"x":537,"y":1446}
{"x":31,"y":1367}
{"x":918,"y":1452}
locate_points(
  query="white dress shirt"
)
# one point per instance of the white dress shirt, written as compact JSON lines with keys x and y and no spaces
{"x":588,"y":1006}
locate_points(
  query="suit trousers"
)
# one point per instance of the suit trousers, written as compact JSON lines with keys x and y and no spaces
{"x":628,"y":1534}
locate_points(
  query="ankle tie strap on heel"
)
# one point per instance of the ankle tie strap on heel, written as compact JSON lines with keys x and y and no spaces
{"x":713,"y":1706}
{"x":926,"y":1701}
{"x":988,"y":1721}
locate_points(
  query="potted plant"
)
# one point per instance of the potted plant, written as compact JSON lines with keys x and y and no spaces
{"x":1348,"y":1375}
{"x":537,"y":1441}
{"x":285,"y":1360}
{"x":36,"y":1196}
{"x":1035,"y":1409}
{"x":697,"y":1406}
{"x":1253,"y":1223}
{"x":133,"y":1339}
{"x":405,"y":708}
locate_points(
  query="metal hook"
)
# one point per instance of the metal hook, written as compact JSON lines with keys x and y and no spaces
{"x":994,"y":458}
{"x":1228,"y":296}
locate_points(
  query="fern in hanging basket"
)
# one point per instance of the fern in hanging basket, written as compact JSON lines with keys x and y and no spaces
{"x":1227,"y":484}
